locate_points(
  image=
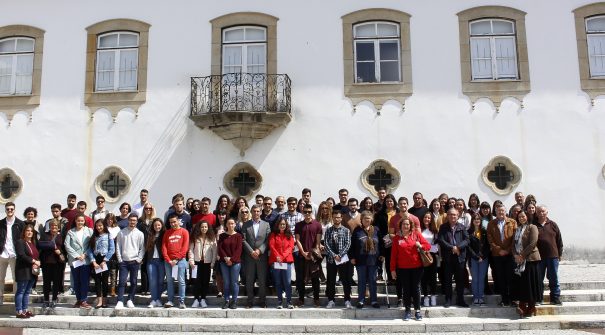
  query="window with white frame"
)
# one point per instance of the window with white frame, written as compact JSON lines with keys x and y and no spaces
{"x":16,"y":65}
{"x":117,"y":62}
{"x":595,"y":38}
{"x":493,"y":49}
{"x":376,"y":52}
{"x":244,"y":50}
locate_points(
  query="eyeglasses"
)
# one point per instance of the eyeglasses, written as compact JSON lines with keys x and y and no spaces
{"x":291,"y":204}
{"x":10,"y":209}
{"x":245,"y":212}
{"x":307,"y":212}
{"x":148,"y":208}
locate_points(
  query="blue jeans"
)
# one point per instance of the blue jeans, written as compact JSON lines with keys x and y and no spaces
{"x":230,"y":276}
{"x":366,"y":275}
{"x":22,"y":295}
{"x":126,"y":268}
{"x":281,"y":279}
{"x":155,"y":275}
{"x":182,"y":269}
{"x":550,"y":268}
{"x":81,"y":277}
{"x":478,"y":272}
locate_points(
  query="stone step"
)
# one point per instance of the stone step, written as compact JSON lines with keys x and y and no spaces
{"x":316,"y":313}
{"x":177,"y":324}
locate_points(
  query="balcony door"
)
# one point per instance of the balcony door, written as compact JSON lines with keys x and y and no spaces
{"x":244,"y":69}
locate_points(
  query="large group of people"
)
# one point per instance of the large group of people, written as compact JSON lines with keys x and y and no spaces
{"x":410,"y":247}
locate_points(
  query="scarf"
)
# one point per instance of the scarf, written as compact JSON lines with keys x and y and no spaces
{"x":519,"y":248}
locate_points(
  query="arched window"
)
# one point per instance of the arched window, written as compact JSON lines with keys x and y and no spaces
{"x":377,"y":57}
{"x":595,"y":38}
{"x":245,"y":50}
{"x":117,"y":62}
{"x":493,"y":49}
{"x":16,"y":65}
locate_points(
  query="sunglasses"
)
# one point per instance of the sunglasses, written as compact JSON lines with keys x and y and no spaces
{"x":245,"y":212}
{"x":307,"y":212}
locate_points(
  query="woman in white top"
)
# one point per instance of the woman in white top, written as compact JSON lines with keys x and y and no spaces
{"x":77,"y":245}
{"x":429,"y":277}
{"x":464,"y":218}
{"x":202,"y":255}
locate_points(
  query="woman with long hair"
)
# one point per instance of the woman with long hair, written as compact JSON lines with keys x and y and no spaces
{"x":473,"y":204}
{"x":381,"y":220}
{"x":496,"y":204}
{"x":438,"y":212}
{"x":195,"y":207}
{"x":237,"y":206}
{"x":366,"y":250}
{"x":281,"y":244}
{"x":155,"y":261}
{"x":479,"y":251}
{"x":101,"y":250}
{"x":51,"y":257}
{"x":28,"y":258}
{"x":77,"y":245}
{"x":530,"y":210}
{"x":112,"y":227}
{"x":144,"y":225}
{"x":526,"y":277}
{"x":366,"y":205}
{"x":222,"y":204}
{"x":202,"y":255}
{"x":406,"y":265}
{"x":464,"y":218}
{"x":429,"y":277}
{"x":485,"y":211}
{"x":243,"y":217}
{"x":230,"y":245}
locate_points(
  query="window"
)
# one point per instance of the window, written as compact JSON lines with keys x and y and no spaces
{"x":376,"y":56}
{"x":493,"y":54}
{"x":20,"y":68}
{"x":501,"y":175}
{"x":116,"y":65}
{"x":16,"y":65}
{"x":10,"y":185}
{"x":243,"y":180}
{"x":590,"y":37}
{"x":117,"y":62}
{"x":380,"y":173}
{"x":112,"y":183}
{"x":245,"y":50}
{"x":376,"y":52}
{"x":493,"y":50}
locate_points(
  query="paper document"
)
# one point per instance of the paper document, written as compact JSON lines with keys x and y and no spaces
{"x":280,"y":266}
{"x":343,"y":260}
{"x":194,"y":272}
{"x":175,"y":272}
{"x":77,"y":263}
{"x":101,"y":268}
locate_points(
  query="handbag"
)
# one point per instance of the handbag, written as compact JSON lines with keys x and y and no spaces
{"x":425,"y":256}
{"x":35,"y":268}
{"x":388,"y":242}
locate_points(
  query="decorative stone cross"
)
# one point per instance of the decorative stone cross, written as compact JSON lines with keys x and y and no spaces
{"x":244,"y":182}
{"x":8,"y":186}
{"x":113,"y":185}
{"x":380,"y":178}
{"x":500,"y":176}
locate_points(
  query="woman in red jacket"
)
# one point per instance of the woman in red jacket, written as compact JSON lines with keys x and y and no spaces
{"x":281,"y":244}
{"x":406,"y":265}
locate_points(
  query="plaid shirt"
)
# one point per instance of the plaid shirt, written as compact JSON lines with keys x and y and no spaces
{"x":338,"y":242}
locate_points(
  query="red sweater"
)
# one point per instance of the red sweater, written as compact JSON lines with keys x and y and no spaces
{"x":404,"y":253}
{"x":175,"y":244}
{"x":281,"y":246}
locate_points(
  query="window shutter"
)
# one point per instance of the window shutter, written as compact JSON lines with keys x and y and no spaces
{"x":596,"y":55}
{"x":128,"y":70}
{"x":105,"y":70}
{"x":506,"y":57}
{"x":6,"y":69}
{"x":24,"y":74}
{"x":481,"y":58}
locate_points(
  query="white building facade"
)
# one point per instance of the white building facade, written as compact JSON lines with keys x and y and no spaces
{"x":461,"y":97}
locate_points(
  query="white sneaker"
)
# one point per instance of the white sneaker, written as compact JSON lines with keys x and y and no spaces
{"x":195,"y":304}
{"x":129,"y":304}
{"x":119,"y":305}
{"x":434,"y":300}
{"x":151,"y":304}
{"x":426,"y":302}
{"x":348,"y":304}
{"x":158,"y":303}
{"x":203,"y":303}
{"x":331,"y":304}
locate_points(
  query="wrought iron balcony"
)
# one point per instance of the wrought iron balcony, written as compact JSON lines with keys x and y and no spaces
{"x":241,"y":107}
{"x":237,"y":92}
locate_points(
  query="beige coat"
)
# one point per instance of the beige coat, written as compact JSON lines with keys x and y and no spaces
{"x":203,"y":247}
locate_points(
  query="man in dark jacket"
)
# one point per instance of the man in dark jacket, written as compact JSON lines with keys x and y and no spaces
{"x":453,"y":240}
{"x":550,"y":245}
{"x":10,"y":232}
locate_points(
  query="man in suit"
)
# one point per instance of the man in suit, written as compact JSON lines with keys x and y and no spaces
{"x":10,"y":232}
{"x":256,"y":236}
{"x":453,"y":240}
{"x":500,"y":235}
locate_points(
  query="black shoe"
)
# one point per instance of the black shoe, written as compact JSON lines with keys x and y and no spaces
{"x":360,"y":305}
{"x":263,"y":305}
{"x":353,"y":283}
{"x":226,"y":304}
{"x":447,"y":303}
{"x":233,"y":304}
{"x":248,"y":306}
{"x":462,"y":304}
{"x":338,"y":283}
{"x":556,"y":301}
{"x":375,"y":305}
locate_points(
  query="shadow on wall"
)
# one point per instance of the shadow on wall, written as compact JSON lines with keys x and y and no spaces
{"x":601,"y":179}
{"x":592,"y":255}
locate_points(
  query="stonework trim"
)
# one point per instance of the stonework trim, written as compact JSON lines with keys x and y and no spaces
{"x":389,"y":169}
{"x":518,"y":174}
{"x":243,"y":19}
{"x":116,"y":101}
{"x":105,"y":175}
{"x":592,"y":86}
{"x":12,"y":104}
{"x":377,"y":93}
{"x":494,"y":90}
{"x":234,"y":172}
{"x":9,"y":171}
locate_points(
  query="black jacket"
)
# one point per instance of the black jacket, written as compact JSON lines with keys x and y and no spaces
{"x":23,"y":265}
{"x":478,"y":247}
{"x":16,"y":231}
{"x":446,"y":243}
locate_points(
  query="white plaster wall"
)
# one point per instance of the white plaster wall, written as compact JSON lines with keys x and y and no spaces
{"x":439,"y":144}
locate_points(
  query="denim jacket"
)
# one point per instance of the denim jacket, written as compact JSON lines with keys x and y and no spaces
{"x":103,"y":246}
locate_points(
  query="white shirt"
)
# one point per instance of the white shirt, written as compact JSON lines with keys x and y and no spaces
{"x":138,"y":208}
{"x":501,"y":227}
{"x":80,"y":235}
{"x":9,"y":247}
{"x":256,"y":227}
{"x":113,"y":232}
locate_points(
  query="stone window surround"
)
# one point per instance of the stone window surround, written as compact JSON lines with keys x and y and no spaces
{"x":116,"y":101}
{"x":243,"y":19}
{"x":592,"y":86}
{"x":104,"y":175}
{"x":518,"y":174}
{"x":5,"y":171}
{"x":494,"y":90}
{"x":377,"y":93}
{"x":234,"y":172}
{"x":371,"y":169}
{"x":11,"y":104}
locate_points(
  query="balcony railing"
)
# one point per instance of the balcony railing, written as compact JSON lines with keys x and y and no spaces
{"x":240,"y":92}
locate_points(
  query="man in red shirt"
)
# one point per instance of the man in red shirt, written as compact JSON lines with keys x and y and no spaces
{"x":204,"y":214}
{"x":81,"y":209}
{"x":308,"y":235}
{"x":70,"y":212}
{"x":175,"y":245}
